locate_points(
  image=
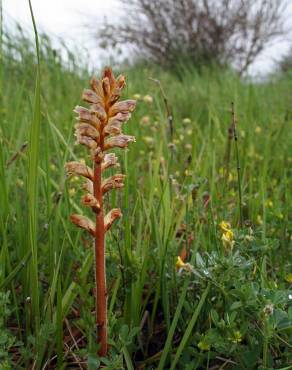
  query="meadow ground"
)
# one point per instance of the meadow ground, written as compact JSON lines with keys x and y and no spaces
{"x":227,"y":303}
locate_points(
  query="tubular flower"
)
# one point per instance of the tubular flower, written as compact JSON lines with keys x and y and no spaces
{"x":181,"y":265}
{"x":224,"y":226}
{"x":227,"y":235}
{"x":99,"y":128}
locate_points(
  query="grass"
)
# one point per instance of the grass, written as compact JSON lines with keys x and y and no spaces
{"x":233,"y":310}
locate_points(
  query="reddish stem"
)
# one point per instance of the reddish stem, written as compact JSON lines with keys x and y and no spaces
{"x":100,"y":274}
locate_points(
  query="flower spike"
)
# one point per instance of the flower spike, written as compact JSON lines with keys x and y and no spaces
{"x":99,"y":128}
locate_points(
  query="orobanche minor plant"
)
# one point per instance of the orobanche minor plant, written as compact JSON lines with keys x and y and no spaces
{"x":99,"y":129}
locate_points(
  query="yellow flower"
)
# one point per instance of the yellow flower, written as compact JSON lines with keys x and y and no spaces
{"x":137,"y":96}
{"x":145,"y":120}
{"x":227,"y":239}
{"x":19,"y":183}
{"x":269,"y":204}
{"x":224,"y":226}
{"x":188,"y":146}
{"x":148,"y":140}
{"x":259,"y":220}
{"x":53,"y":167}
{"x":72,"y":192}
{"x":204,"y":346}
{"x":230,"y":177}
{"x":227,"y":236}
{"x":181,"y":265}
{"x":288,"y":278}
{"x":189,"y":132}
{"x":148,"y":99}
{"x":258,"y":130}
{"x":237,"y":338}
{"x":187,"y":121}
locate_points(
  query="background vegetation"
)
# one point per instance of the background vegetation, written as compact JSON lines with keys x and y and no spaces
{"x":231,"y":307}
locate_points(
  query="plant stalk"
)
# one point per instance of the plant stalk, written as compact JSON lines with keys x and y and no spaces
{"x":237,"y":166}
{"x":100,"y":275}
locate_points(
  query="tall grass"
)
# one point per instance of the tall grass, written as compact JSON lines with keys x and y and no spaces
{"x":157,"y":315}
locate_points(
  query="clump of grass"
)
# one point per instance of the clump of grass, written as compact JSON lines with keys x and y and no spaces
{"x":99,"y":129}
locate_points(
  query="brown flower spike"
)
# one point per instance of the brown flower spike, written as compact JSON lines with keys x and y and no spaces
{"x":99,"y":128}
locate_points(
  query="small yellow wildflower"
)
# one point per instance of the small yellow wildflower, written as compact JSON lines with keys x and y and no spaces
{"x":145,"y":120}
{"x":189,"y":132}
{"x":224,"y":226}
{"x":74,"y":178}
{"x":181,"y":265}
{"x":237,"y":338}
{"x":227,"y":239}
{"x":137,"y":96}
{"x":258,"y":130}
{"x":148,"y":140}
{"x":148,"y":99}
{"x":269,"y":204}
{"x":187,"y":121}
{"x":259,"y":220}
{"x":204,"y":346}
{"x":288,"y":278}
{"x":230,"y":177}
{"x":52,"y":167}
{"x":72,"y":192}
{"x":188,"y":146}
{"x":19,"y":183}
